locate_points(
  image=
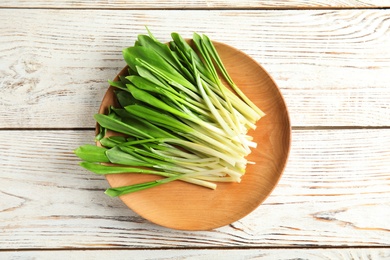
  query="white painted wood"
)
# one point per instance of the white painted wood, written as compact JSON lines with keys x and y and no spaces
{"x":332,"y":66}
{"x":191,"y":254}
{"x":334,"y":192}
{"x":209,"y":4}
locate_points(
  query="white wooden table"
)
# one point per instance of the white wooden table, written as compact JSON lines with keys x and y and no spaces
{"x":331,"y":60}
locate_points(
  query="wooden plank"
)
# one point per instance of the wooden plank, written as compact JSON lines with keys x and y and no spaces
{"x":331,"y":66}
{"x":201,"y":4}
{"x":334,"y":192}
{"x":194,"y":254}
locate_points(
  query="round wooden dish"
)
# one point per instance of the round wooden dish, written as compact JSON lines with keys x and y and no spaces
{"x":184,"y":206}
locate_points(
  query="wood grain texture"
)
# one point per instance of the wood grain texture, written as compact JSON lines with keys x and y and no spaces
{"x":201,"y":4}
{"x":335,"y":192}
{"x":193,"y":254}
{"x":331,"y":66}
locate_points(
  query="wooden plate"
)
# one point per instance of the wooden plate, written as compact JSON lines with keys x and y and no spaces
{"x":184,"y":206}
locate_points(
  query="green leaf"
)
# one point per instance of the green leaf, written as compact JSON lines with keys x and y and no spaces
{"x":91,"y":153}
{"x":158,"y":118}
{"x":144,"y":96}
{"x":145,"y":84}
{"x":119,"y":191}
{"x":143,"y":57}
{"x":102,"y":132}
{"x":125,"y":98}
{"x":118,"y":126}
{"x":112,"y":141}
{"x":105,"y":169}
{"x":164,"y":51}
{"x":185,"y":51}
{"x":117,"y":156}
{"x":143,"y":125}
{"x":118,"y":84}
{"x":208,"y":45}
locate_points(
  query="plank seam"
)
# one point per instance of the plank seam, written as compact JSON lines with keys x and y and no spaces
{"x":270,"y":8}
{"x":194,"y":248}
